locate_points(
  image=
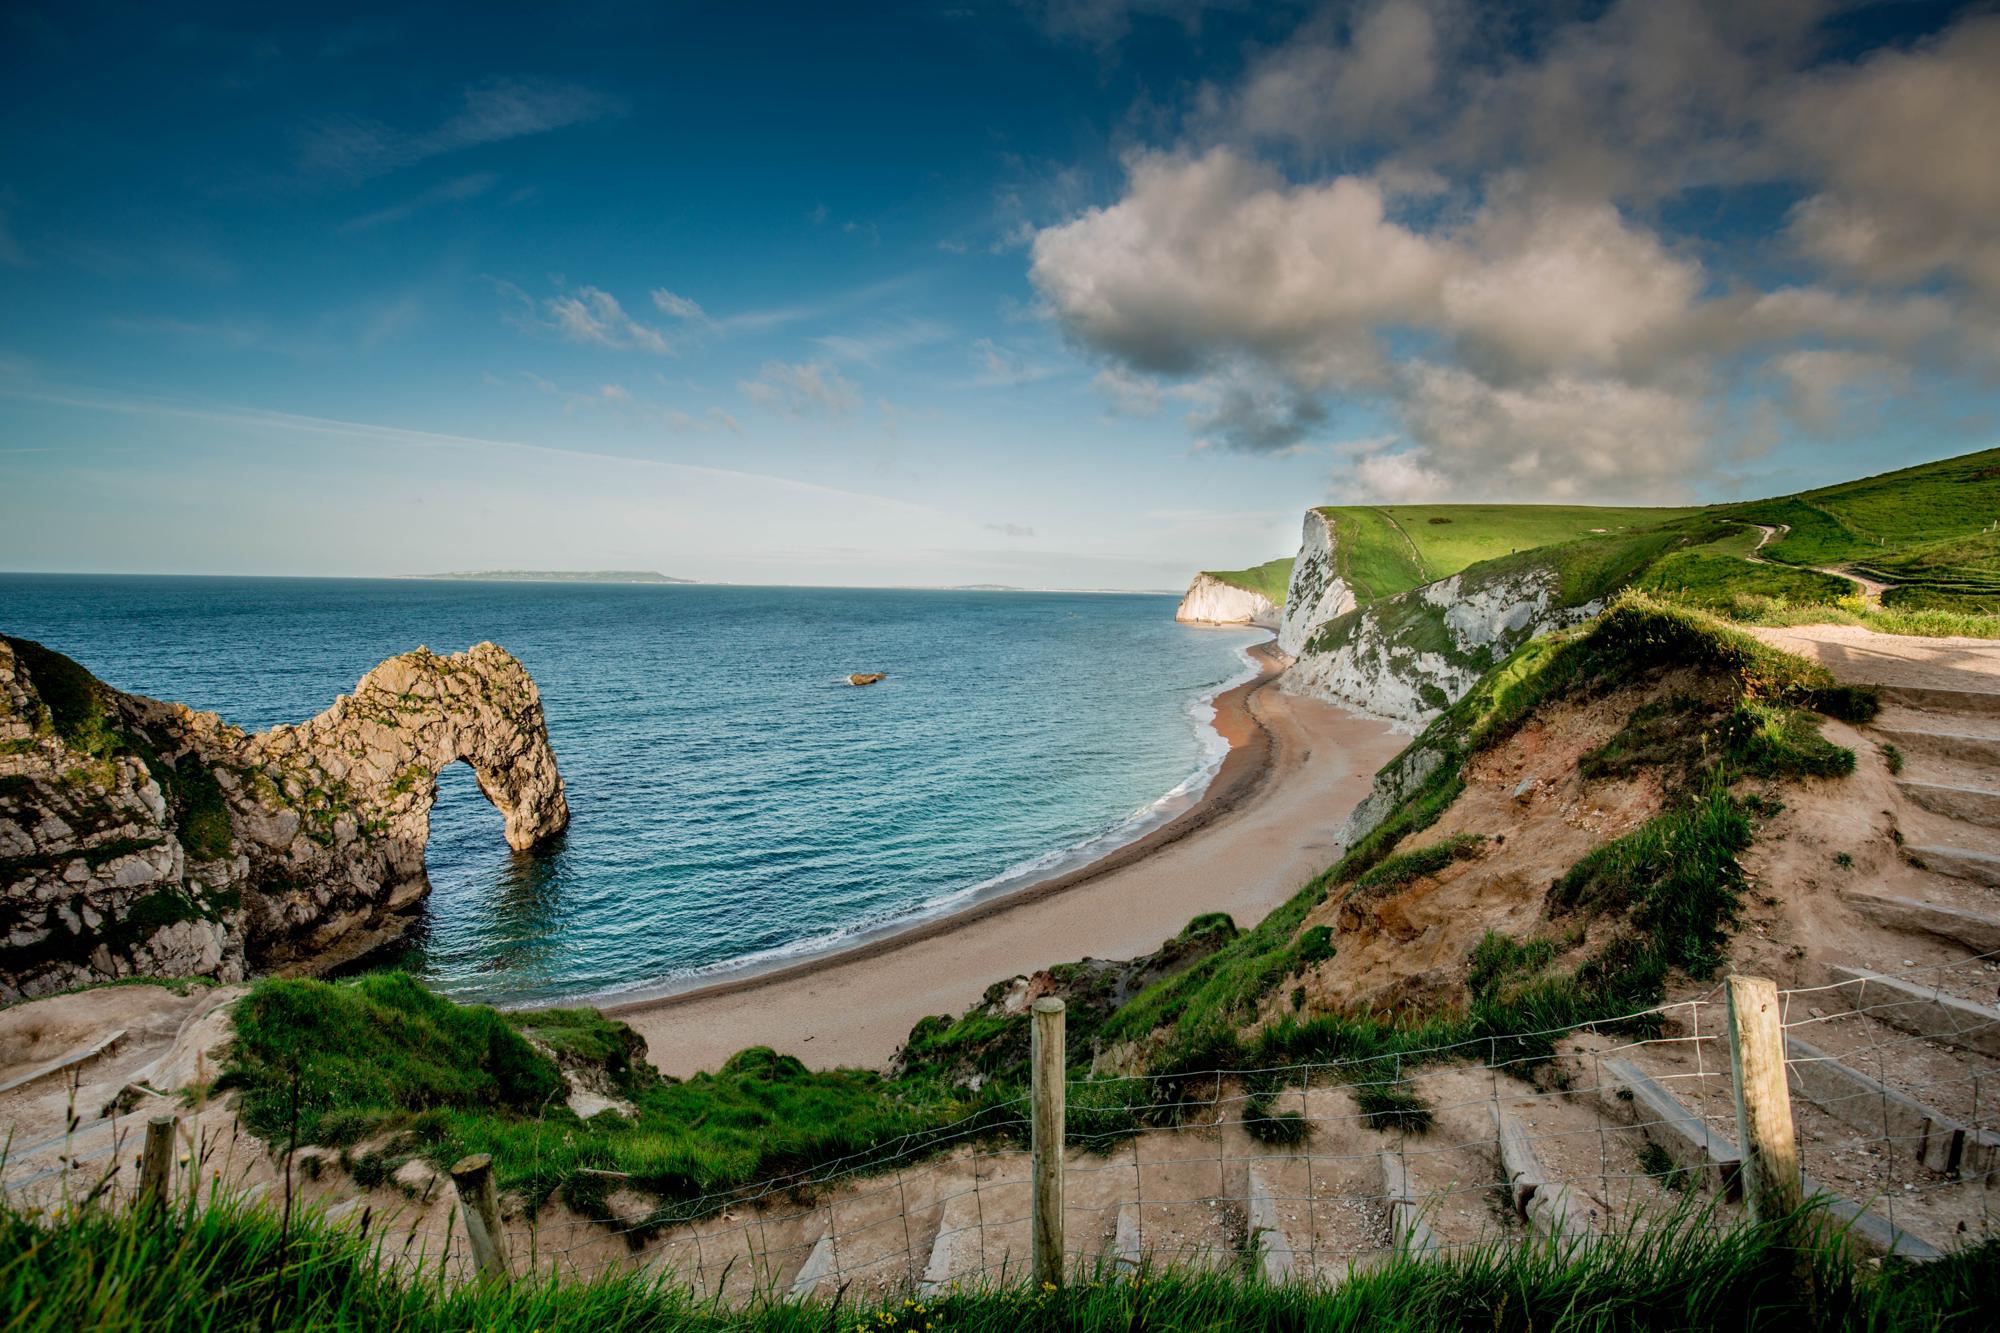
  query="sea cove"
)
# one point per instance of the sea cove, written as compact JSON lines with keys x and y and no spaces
{"x":734,"y":800}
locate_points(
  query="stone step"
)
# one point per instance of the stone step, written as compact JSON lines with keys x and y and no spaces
{"x":1970,"y":703}
{"x":955,"y":1249}
{"x":1960,"y":863}
{"x":1918,"y":1010}
{"x":1977,"y":932}
{"x":1945,"y":744}
{"x":1971,"y":805}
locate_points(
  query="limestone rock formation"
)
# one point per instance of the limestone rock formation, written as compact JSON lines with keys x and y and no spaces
{"x":1406,"y":658}
{"x":1210,"y":601}
{"x":144,"y":838}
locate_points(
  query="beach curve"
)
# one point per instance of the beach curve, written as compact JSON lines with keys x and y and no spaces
{"x":1264,"y":826}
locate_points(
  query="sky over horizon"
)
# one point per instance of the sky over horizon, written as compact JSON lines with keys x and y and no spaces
{"x":1074,"y":293}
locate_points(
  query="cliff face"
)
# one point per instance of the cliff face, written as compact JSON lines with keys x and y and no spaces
{"x":1210,"y":601}
{"x":144,"y":838}
{"x":1317,"y":593}
{"x":1407,"y":657}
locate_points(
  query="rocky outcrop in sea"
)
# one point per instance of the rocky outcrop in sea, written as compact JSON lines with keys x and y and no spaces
{"x":141,"y":838}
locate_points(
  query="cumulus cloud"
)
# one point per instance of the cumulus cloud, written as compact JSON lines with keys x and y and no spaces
{"x":1566,"y":437}
{"x":1904,"y":144}
{"x":1332,"y":82}
{"x":1219,"y":252}
{"x":1495,"y":266}
{"x":803,"y":389}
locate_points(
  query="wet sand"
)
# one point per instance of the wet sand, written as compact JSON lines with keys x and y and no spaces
{"x":1264,"y":827}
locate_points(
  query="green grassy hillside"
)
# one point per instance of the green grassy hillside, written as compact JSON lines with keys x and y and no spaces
{"x":1271,"y":578}
{"x":1879,"y":518}
{"x":1933,"y":530}
{"x":1387,"y":549}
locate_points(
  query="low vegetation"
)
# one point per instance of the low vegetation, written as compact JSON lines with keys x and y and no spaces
{"x":233,"y":1267}
{"x":1272,"y":579}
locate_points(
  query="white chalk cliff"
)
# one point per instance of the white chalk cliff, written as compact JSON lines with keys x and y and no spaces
{"x":1409,"y":657}
{"x":1210,"y":601}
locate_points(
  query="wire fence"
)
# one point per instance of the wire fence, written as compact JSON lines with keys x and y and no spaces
{"x":1310,"y":1170}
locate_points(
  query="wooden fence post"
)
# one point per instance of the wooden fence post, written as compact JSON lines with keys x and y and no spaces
{"x":156,"y":1163}
{"x":479,"y":1202}
{"x":1771,"y":1183}
{"x":1048,"y":1075}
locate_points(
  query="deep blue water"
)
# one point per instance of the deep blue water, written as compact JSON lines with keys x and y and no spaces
{"x":733,"y":800}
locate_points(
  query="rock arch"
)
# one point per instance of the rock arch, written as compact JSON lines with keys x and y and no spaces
{"x":336,"y":827}
{"x":144,"y":838}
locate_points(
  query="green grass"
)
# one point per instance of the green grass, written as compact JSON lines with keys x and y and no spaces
{"x":1704,"y":579}
{"x":1272,"y":578}
{"x":1874,"y":519}
{"x":381,"y":1062}
{"x":1388,"y":549}
{"x":237,"y":1268}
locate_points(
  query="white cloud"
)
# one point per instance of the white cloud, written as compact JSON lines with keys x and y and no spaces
{"x":1324,"y":85}
{"x":1569,"y":437}
{"x":616,"y":393}
{"x":452,"y":191}
{"x":1006,"y":366}
{"x":1131,"y":395}
{"x":350,"y":149}
{"x":587,"y":315}
{"x":1557,"y":285}
{"x":679,"y":307}
{"x":1218,"y":252}
{"x":803,"y":389}
{"x":1823,"y":386}
{"x":1904,"y":143}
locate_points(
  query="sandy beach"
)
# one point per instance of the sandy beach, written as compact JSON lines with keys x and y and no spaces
{"x":1265,"y":825}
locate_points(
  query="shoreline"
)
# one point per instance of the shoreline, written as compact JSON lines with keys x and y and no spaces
{"x":1243,"y":767}
{"x":1263,"y":827}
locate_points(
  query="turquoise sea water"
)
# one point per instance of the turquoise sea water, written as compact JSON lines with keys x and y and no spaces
{"x":734,"y":801}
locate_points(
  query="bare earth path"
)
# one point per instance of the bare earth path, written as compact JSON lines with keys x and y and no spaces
{"x":1862,"y":656}
{"x":1246,"y":861}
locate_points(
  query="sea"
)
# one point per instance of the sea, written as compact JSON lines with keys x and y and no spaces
{"x":735,"y":803}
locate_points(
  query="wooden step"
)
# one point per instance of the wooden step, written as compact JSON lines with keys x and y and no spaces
{"x":1918,"y":1010}
{"x":1977,"y":932}
{"x":1959,"y":863}
{"x":1269,"y":1242}
{"x":1406,"y":1218}
{"x":1867,"y":1228}
{"x":1684,"y":1136}
{"x":1972,"y":805}
{"x":1977,"y":703}
{"x":1549,"y":1209}
{"x":1943,"y":743}
{"x":1853,"y":1098}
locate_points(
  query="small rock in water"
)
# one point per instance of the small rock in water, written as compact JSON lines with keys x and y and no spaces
{"x":864,"y":677}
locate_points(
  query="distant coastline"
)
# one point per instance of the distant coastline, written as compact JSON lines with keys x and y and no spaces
{"x":555,"y":576}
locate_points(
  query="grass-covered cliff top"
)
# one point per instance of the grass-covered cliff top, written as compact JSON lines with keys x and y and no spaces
{"x":1272,"y":578}
{"x":1932,"y":532}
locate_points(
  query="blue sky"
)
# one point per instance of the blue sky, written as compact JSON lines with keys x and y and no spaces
{"x":1066,"y":294}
